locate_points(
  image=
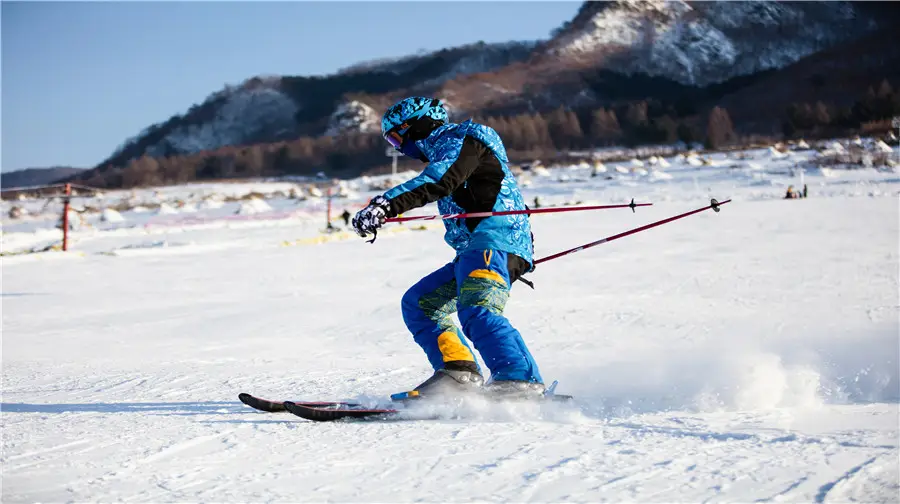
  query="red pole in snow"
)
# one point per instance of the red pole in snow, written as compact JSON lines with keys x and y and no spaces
{"x":65,"y":219}
{"x":631,"y":205}
{"x":328,"y":211}
{"x":712,"y":204}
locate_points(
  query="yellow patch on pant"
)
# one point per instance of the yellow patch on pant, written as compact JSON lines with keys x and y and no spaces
{"x":488,"y":274}
{"x":452,"y":349}
{"x":487,"y":257}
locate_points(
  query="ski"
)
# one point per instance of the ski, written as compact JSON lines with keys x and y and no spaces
{"x":328,"y":412}
{"x":278,"y":406}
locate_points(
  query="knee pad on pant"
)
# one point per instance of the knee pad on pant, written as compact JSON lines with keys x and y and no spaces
{"x":485,"y":292}
{"x":434,"y":306}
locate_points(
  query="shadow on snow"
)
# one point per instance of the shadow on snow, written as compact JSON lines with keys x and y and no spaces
{"x":159,"y":408}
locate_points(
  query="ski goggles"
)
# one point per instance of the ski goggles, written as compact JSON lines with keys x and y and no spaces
{"x":394,"y":139}
{"x":395,"y":136}
{"x":407,"y":147}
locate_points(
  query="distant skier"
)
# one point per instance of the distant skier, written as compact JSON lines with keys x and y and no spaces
{"x":346,"y":217}
{"x":467,"y":172}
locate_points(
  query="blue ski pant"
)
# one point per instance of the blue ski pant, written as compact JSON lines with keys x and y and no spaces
{"x":476,"y":285}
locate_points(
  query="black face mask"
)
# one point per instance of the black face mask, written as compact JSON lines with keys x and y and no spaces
{"x":419,"y":130}
{"x":410,"y":149}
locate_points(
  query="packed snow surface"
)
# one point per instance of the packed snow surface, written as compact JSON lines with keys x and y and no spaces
{"x":745,"y":355}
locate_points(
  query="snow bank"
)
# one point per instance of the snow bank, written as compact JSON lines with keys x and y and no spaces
{"x":253,"y":206}
{"x":883,"y":147}
{"x":166,"y":209}
{"x":111,"y":215}
{"x":598,"y":168}
{"x":211,"y":204}
{"x":540,"y":171}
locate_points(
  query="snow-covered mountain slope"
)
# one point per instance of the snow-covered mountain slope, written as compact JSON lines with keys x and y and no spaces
{"x":257,"y":110}
{"x":242,"y":117}
{"x":470,"y":58}
{"x":353,"y":116}
{"x":700,"y":43}
{"x":736,"y":356}
{"x":272,"y":108}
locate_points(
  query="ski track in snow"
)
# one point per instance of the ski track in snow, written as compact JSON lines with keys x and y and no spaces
{"x":750,"y":355}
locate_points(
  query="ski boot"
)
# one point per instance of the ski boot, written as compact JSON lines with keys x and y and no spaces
{"x":455,"y":379}
{"x":513,"y":390}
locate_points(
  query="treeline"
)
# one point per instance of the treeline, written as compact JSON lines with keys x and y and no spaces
{"x":821,"y":119}
{"x":525,"y":136}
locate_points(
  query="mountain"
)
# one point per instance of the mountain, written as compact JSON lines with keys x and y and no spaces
{"x":609,"y":54}
{"x":37,"y":176}
{"x":702,"y":43}
{"x":273,"y":108}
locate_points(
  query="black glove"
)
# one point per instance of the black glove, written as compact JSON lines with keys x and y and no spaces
{"x":370,"y":218}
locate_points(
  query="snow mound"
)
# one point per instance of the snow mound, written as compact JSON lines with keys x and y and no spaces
{"x":693,"y":161}
{"x":253,"y":206}
{"x":775,"y":153}
{"x":111,"y":215}
{"x":166,"y":209}
{"x":211,"y":204}
{"x":882,"y":147}
{"x":540,"y":171}
{"x":836,"y":147}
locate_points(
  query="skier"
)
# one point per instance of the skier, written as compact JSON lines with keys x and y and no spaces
{"x":466,"y":172}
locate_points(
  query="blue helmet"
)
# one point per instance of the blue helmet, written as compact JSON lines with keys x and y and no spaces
{"x":412,"y":118}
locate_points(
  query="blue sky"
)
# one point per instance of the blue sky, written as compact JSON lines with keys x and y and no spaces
{"x":80,"y":78}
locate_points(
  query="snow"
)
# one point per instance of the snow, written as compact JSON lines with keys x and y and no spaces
{"x":353,"y":116}
{"x":882,"y":147}
{"x":744,"y":355}
{"x":166,"y":209}
{"x":700,"y":43}
{"x":110,"y":215}
{"x":540,"y":171}
{"x":243,"y":113}
{"x":253,"y":206}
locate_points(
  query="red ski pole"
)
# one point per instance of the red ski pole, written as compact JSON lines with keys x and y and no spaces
{"x":631,"y":205}
{"x":712,"y":204}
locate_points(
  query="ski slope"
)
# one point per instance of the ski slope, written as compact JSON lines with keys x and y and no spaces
{"x":740,"y":356}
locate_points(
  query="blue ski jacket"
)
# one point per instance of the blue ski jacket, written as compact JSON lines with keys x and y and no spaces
{"x":468,"y":172}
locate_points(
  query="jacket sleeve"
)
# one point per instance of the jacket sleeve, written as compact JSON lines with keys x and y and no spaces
{"x":440,"y":178}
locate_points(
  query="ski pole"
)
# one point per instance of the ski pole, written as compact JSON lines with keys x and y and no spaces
{"x":631,"y":205}
{"x":712,"y":204}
